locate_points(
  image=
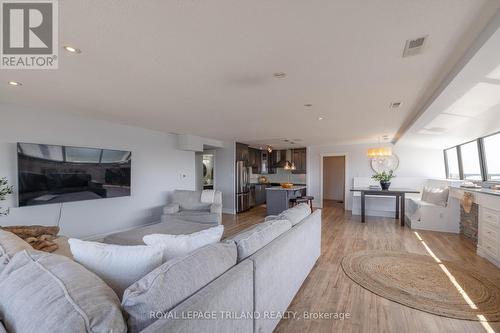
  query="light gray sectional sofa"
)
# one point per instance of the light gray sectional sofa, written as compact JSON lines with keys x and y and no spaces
{"x":225,"y":287}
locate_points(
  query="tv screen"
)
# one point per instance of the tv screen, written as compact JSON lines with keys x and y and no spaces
{"x":55,"y":174}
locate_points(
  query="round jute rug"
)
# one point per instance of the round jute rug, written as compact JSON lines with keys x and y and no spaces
{"x":419,"y":282}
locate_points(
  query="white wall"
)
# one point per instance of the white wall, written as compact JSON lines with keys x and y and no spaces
{"x":414,"y":162}
{"x":196,"y":143}
{"x":334,"y":178}
{"x":225,"y":160}
{"x":157,"y":169}
{"x":198,"y":171}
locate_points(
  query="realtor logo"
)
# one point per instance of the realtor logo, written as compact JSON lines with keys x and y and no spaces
{"x":29,"y":34}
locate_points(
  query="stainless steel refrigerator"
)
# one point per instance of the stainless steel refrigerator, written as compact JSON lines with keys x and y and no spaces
{"x":242,"y":187}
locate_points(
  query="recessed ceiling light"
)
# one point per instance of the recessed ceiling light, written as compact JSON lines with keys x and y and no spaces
{"x":308,"y":105}
{"x":15,"y":83}
{"x":320,"y":118}
{"x":279,"y":75}
{"x":72,"y":49}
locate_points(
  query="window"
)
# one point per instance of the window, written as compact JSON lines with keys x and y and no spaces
{"x":471,"y":166}
{"x":82,"y":155}
{"x":491,"y":152}
{"x":452,"y":169}
{"x":46,"y":152}
{"x":115,"y":156}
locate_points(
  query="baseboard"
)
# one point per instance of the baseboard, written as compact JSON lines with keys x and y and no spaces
{"x":228,"y":211}
{"x":484,"y":254}
{"x":377,"y":213}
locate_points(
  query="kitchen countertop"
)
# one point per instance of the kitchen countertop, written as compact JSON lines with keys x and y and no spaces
{"x":478,"y":190}
{"x":279,"y":188}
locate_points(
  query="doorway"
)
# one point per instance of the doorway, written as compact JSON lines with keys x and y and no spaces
{"x":205,"y":170}
{"x":334,"y":178}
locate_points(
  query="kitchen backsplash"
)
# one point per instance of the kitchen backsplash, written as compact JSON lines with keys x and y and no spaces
{"x":281,"y":176}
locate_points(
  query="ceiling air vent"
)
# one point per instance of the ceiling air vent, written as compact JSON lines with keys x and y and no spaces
{"x":395,"y":105}
{"x":414,"y":46}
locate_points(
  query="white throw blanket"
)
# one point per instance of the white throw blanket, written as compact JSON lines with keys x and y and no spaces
{"x":208,"y":196}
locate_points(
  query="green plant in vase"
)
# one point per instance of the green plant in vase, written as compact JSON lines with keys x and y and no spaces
{"x":5,"y":190}
{"x":384,"y":178}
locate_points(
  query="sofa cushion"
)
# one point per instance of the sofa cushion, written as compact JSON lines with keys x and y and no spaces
{"x":44,"y":292}
{"x":171,"y":208}
{"x":196,"y":207}
{"x":295,"y":214}
{"x":204,"y":217}
{"x":119,"y":266}
{"x":256,"y":237}
{"x":189,"y":200}
{"x":10,"y":244}
{"x":436,"y":195}
{"x":174,"y":281}
{"x":179,"y":245}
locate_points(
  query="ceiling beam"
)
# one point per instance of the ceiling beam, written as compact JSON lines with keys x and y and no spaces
{"x":434,"y":91}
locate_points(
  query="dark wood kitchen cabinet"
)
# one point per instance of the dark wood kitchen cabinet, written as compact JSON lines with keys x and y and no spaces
{"x":299,"y":157}
{"x":255,"y":160}
{"x":242,"y":153}
{"x":270,"y":163}
{"x":276,"y":159}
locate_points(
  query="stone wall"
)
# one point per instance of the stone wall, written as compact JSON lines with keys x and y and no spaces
{"x":469,"y":223}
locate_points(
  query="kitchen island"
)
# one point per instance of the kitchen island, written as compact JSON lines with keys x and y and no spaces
{"x":278,"y":198}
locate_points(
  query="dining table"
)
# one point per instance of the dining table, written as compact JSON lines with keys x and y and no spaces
{"x":398,"y":193}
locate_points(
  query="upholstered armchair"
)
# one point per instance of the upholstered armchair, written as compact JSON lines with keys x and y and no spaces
{"x":194,"y":206}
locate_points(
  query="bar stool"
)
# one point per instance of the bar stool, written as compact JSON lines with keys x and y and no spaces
{"x":309,"y":199}
{"x":299,"y":200}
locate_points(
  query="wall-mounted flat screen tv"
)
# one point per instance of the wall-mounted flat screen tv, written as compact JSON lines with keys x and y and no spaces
{"x":54,"y":174}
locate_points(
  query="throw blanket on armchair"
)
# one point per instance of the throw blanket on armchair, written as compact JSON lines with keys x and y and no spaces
{"x":208,"y":196}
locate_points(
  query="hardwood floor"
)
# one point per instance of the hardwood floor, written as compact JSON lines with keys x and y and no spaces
{"x":327,"y":289}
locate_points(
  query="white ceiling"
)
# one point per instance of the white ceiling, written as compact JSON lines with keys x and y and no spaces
{"x":205,"y":67}
{"x":469,"y":106}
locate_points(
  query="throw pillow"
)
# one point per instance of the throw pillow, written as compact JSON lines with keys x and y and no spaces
{"x":295,"y":214}
{"x":10,"y":244}
{"x":44,"y":292}
{"x":270,"y":218}
{"x":119,"y":266}
{"x":436,"y":195}
{"x":256,"y":237}
{"x":174,"y":281}
{"x":179,"y":245}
